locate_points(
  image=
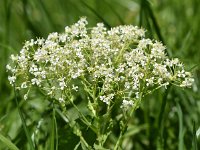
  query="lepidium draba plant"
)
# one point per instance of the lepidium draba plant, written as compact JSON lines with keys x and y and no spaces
{"x":112,"y":70}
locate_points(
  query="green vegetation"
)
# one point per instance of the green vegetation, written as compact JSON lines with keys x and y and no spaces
{"x":167,"y":119}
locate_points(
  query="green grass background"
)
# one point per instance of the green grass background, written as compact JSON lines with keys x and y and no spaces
{"x":168,"y":119}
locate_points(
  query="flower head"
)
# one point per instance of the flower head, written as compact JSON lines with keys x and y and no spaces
{"x":120,"y":62}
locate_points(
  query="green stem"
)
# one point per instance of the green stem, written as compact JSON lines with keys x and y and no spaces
{"x":85,"y":143}
{"x":118,"y":141}
{"x":75,"y":128}
{"x":54,"y":131}
{"x":123,"y":128}
{"x":84,"y":120}
{"x":122,"y":132}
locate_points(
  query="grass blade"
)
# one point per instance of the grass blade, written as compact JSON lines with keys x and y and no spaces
{"x":62,"y":116}
{"x":97,"y":14}
{"x":48,"y":15}
{"x":28,"y":22}
{"x":181,"y":131}
{"x":159,"y":133}
{"x":162,"y":110}
{"x":5,"y":40}
{"x":54,"y":133}
{"x":154,"y":21}
{"x":23,"y":122}
{"x":115,"y":12}
{"x":141,"y":14}
{"x":8,"y":143}
{"x":145,"y":9}
{"x":194,"y":140}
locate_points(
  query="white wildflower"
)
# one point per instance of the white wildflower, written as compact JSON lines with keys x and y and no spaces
{"x":127,"y":104}
{"x":150,"y":81}
{"x":187,"y":82}
{"x":75,"y":88}
{"x":12,"y":79}
{"x":13,"y":57}
{"x":137,"y":95}
{"x":61,"y":100}
{"x":25,"y":96}
{"x":107,"y":98}
{"x":8,"y":67}
{"x":115,"y":62}
{"x":24,"y":85}
{"x":62,"y":83}
{"x":35,"y":81}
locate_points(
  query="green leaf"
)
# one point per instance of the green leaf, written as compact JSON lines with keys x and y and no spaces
{"x":132,"y":130}
{"x":194,"y":142}
{"x":8,"y":143}
{"x":181,"y":131}
{"x":23,"y":122}
{"x":96,"y":13}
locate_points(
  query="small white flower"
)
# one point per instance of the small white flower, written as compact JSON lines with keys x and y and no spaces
{"x":63,"y":37}
{"x":52,"y":36}
{"x":137,"y":95}
{"x":127,"y":85}
{"x":75,"y":88}
{"x":165,"y":84}
{"x":144,"y":42}
{"x":12,"y":79}
{"x":107,"y":98}
{"x":25,"y":96}
{"x":40,"y":41}
{"x":62,"y":83}
{"x":150,"y":81}
{"x":35,"y":81}
{"x":13,"y":57}
{"x":61,"y":100}
{"x":187,"y":82}
{"x":175,"y":61}
{"x":127,"y":103}
{"x":8,"y":67}
{"x":23,"y":85}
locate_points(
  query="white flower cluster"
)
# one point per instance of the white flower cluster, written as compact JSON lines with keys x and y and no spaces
{"x":114,"y":63}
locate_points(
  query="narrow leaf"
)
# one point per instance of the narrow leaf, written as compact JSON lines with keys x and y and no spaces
{"x":181,"y":131}
{"x":97,"y":14}
{"x":194,"y":141}
{"x":23,"y":122}
{"x":8,"y":143}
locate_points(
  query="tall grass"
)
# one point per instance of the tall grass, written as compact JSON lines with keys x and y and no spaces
{"x":168,"y":119}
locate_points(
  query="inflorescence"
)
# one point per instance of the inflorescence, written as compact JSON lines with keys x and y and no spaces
{"x":119,"y":63}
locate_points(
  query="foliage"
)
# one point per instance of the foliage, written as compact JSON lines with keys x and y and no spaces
{"x":153,"y":126}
